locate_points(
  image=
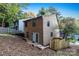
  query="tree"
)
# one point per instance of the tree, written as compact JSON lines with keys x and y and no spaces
{"x":29,"y":15}
{"x":69,"y":26}
{"x":52,"y":10}
{"x":48,"y":11}
{"x":77,"y":26}
{"x":11,"y":12}
{"x":41,"y":12}
{"x":3,"y":12}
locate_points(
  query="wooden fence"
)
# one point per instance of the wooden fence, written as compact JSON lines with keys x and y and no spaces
{"x":8,"y":30}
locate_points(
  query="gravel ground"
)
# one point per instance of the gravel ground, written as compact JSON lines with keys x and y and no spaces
{"x":15,"y":46}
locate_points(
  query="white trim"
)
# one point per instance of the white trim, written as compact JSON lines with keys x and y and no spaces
{"x":35,"y":36}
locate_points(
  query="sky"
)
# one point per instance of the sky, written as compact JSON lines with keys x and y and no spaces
{"x":65,"y":9}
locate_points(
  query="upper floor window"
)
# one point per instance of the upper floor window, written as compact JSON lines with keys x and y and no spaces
{"x":33,"y":23}
{"x":48,"y":23}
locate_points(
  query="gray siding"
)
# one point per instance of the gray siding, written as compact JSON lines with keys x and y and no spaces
{"x":52,"y":28}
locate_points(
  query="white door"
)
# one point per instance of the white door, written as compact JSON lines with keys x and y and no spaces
{"x":35,"y":37}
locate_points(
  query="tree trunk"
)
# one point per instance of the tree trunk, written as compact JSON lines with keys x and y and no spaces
{"x":3,"y":21}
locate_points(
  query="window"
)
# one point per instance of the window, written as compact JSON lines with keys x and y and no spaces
{"x":51,"y":34}
{"x":25,"y":24}
{"x":48,"y":23}
{"x":27,"y":34}
{"x":33,"y":23}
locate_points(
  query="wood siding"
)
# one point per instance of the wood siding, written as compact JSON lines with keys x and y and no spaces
{"x":38,"y":28}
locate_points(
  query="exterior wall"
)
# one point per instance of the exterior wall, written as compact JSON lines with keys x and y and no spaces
{"x":21,"y":25}
{"x":38,"y":28}
{"x":52,"y":28}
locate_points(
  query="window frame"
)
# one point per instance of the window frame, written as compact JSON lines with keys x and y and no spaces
{"x":33,"y":23}
{"x":51,"y":34}
{"x":48,"y":23}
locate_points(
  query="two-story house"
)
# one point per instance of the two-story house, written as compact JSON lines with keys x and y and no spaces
{"x":41,"y":29}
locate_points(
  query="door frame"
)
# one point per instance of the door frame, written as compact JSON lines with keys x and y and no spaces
{"x":34,"y":33}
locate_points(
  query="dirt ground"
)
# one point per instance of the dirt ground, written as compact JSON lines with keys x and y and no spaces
{"x":15,"y":46}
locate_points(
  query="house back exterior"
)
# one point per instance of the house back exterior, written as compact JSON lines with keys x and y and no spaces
{"x":19,"y":25}
{"x":41,"y":29}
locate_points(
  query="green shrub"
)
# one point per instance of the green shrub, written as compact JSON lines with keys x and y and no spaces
{"x":71,"y":40}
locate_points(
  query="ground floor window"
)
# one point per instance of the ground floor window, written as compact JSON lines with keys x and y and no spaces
{"x":51,"y":34}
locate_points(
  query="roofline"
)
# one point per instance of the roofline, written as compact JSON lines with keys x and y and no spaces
{"x":31,"y":18}
{"x":37,"y":17}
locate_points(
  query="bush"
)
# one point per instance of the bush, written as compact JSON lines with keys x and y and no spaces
{"x":71,"y":40}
